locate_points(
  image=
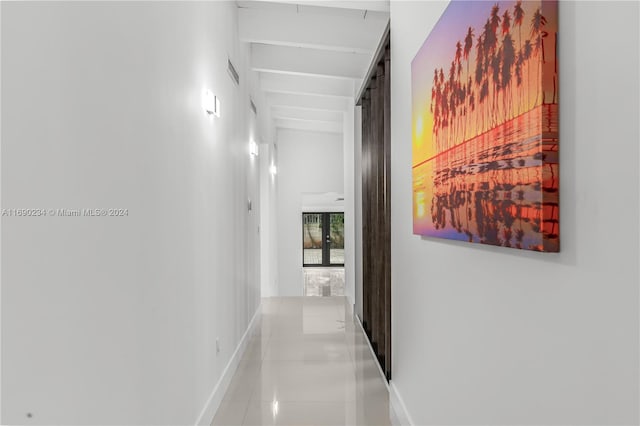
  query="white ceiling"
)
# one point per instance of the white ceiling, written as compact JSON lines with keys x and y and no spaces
{"x":311,"y":56}
{"x":323,"y":201}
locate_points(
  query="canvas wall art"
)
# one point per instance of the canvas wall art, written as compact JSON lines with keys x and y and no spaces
{"x":485,"y":126}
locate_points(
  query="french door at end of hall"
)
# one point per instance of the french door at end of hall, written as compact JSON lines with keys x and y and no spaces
{"x":323,"y":239}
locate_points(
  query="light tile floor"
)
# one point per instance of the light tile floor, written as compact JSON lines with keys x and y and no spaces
{"x":307,"y":363}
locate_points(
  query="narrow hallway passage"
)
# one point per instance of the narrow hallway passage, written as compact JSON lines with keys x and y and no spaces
{"x":307,"y":363}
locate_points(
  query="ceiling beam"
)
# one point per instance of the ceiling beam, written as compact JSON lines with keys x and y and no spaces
{"x":309,"y":102}
{"x":299,"y":61}
{"x":302,"y":84}
{"x":373,"y":5}
{"x":340,"y":33}
{"x":306,"y":114}
{"x":313,"y":126}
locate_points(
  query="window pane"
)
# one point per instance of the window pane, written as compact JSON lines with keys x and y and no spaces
{"x":312,"y":238}
{"x":336,"y":233}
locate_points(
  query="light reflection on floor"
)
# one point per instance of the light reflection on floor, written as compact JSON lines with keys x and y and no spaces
{"x":323,"y":281}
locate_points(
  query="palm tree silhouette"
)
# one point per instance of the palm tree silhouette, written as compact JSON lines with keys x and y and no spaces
{"x":527,"y":52}
{"x":508,"y":61}
{"x":495,"y":17}
{"x":488,"y":96}
{"x":479,"y":78}
{"x":468,"y":44}
{"x":506,"y":22}
{"x":518,"y":18}
{"x":495,"y":78}
{"x":537,"y":35}
{"x":490,"y":41}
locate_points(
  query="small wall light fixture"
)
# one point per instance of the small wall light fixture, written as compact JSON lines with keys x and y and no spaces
{"x":210,"y":103}
{"x":254,"y":150}
{"x":273,"y":170}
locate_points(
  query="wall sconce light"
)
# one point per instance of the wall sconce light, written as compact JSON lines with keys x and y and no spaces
{"x":273,"y":170}
{"x":254,"y":150}
{"x":210,"y":103}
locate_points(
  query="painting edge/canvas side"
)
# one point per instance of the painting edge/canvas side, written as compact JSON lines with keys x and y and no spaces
{"x":551,"y":199}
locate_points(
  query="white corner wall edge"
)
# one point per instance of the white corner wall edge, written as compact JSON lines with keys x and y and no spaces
{"x":213,"y":402}
{"x":403,"y":418}
{"x":0,"y":222}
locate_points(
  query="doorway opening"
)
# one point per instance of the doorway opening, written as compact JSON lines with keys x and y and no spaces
{"x":323,"y":239}
{"x":323,"y":253}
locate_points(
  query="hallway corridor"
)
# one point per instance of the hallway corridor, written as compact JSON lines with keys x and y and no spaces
{"x":307,"y":363}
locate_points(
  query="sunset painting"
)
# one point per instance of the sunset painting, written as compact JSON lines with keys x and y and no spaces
{"x":485,"y":126}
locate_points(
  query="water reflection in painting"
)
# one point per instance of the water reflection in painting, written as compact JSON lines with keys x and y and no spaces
{"x":485,"y":133}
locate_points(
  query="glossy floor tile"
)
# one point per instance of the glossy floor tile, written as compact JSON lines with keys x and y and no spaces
{"x":307,"y":363}
{"x":323,"y":281}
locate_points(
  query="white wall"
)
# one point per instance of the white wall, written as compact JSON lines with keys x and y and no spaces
{"x":348,"y":144}
{"x":323,"y":202}
{"x":268,"y":223}
{"x":487,"y":335}
{"x":1,"y":314}
{"x":113,"y":320}
{"x":268,"y":217}
{"x":307,"y":162}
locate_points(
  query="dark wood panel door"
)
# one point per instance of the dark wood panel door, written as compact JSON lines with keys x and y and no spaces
{"x":376,"y":209}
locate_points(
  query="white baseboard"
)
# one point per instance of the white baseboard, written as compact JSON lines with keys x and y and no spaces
{"x":403,"y":418}
{"x":399,"y":414}
{"x":213,"y":402}
{"x":373,"y":354}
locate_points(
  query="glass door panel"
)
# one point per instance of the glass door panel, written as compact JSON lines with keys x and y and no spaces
{"x":336,"y":238}
{"x":312,"y":238}
{"x":323,"y":239}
